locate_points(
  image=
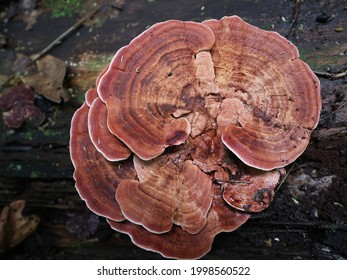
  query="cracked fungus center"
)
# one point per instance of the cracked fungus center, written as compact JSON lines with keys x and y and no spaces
{"x":188,"y":130}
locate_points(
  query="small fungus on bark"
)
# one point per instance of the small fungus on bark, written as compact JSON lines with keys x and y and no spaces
{"x":18,"y":105}
{"x":188,"y":130}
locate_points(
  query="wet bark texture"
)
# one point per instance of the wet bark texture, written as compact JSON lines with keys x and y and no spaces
{"x":308,"y":218}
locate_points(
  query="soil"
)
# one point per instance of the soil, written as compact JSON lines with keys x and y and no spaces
{"x":308,"y":217}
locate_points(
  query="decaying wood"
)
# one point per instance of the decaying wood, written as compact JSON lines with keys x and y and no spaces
{"x":296,"y":12}
{"x":66,"y":33}
{"x":57,"y":41}
{"x":307,"y":219}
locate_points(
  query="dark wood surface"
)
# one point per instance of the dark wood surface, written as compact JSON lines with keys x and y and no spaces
{"x":308,"y":218}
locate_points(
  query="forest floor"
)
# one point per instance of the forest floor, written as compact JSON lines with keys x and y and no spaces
{"x":308,"y":217}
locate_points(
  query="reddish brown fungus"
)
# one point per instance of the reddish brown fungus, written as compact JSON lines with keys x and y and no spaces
{"x":139,"y":119}
{"x":19,"y":106}
{"x":254,"y":191}
{"x":104,"y":141}
{"x":180,"y":244}
{"x":96,"y":178}
{"x":177,"y":191}
{"x":259,"y":74}
{"x":153,"y":146}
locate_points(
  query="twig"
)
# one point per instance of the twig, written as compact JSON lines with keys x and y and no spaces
{"x":305,"y":224}
{"x":6,"y":81}
{"x":295,"y":15}
{"x":338,"y":108}
{"x":285,"y":177}
{"x":58,"y":40}
{"x":331,"y":76}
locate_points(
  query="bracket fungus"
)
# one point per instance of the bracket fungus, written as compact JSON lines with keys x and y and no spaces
{"x":189,"y":129}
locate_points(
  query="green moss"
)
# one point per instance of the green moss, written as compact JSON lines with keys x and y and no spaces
{"x":51,"y":133}
{"x":99,"y":63}
{"x":268,"y":26}
{"x":328,"y":56}
{"x":76,"y":245}
{"x":13,"y":167}
{"x":63,"y":8}
{"x":35,"y":174}
{"x":247,"y":19}
{"x":28,"y":135}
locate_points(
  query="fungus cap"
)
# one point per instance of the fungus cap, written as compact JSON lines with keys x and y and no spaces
{"x":142,"y":86}
{"x":271,"y":98}
{"x":153,"y":145}
{"x":180,"y":244}
{"x":177,"y":191}
{"x":96,"y":178}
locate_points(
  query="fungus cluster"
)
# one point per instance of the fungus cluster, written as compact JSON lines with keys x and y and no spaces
{"x":188,"y":130}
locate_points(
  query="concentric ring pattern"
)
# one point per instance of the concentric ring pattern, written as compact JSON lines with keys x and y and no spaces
{"x":189,"y":129}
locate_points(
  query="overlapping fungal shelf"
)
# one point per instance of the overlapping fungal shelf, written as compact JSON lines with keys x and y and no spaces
{"x":188,"y":130}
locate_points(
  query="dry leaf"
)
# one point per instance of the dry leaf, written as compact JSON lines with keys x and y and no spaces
{"x":14,"y":227}
{"x":23,"y":64}
{"x":48,"y":80}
